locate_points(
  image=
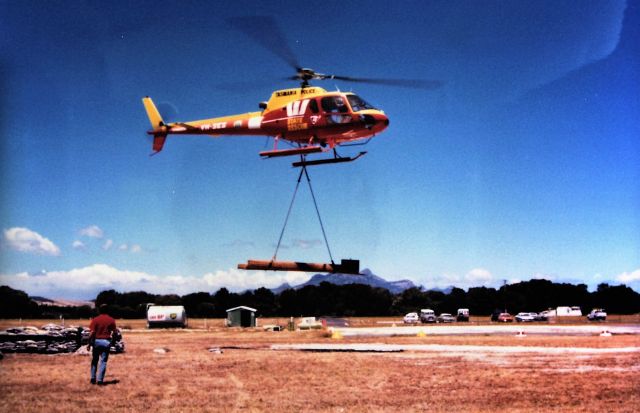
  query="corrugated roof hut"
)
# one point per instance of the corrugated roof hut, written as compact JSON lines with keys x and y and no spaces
{"x":241,"y":317}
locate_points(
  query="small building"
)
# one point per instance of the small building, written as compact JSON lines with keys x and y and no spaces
{"x":241,"y":317}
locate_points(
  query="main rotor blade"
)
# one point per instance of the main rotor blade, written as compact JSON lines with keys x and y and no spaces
{"x":168,"y":111}
{"x":410,"y":83}
{"x":265,"y":31}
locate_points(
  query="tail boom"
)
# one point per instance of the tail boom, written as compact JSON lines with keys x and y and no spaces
{"x":233,"y":125}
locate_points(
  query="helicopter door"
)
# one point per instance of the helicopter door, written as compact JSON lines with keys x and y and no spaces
{"x":335,"y":109}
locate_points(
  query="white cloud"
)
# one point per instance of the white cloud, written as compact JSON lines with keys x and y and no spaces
{"x":107,"y":245}
{"x":239,"y":243}
{"x":87,"y":282}
{"x":133,"y":248}
{"x":92,"y":231}
{"x":306,"y":244}
{"x":627,"y":277}
{"x":79,"y":245}
{"x":240,"y":280}
{"x":25,"y":240}
{"x":477,"y":277}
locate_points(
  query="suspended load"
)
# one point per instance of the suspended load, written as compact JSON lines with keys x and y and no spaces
{"x":345,"y":266}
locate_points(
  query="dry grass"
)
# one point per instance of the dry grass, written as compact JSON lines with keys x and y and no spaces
{"x":216,"y":324}
{"x":189,"y":378}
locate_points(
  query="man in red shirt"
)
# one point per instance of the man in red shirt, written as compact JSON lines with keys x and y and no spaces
{"x":103,"y":328}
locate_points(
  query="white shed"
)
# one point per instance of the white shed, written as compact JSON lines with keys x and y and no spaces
{"x":241,"y":316}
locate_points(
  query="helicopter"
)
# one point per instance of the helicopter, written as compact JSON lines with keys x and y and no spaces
{"x":310,"y":118}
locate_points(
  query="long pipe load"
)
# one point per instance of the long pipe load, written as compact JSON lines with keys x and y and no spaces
{"x":345,"y":267}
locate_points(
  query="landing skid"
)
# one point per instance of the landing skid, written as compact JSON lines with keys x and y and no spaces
{"x":336,"y":159}
{"x":288,"y":152}
{"x":306,"y":150}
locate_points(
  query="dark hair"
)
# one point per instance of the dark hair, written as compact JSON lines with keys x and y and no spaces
{"x":103,"y":309}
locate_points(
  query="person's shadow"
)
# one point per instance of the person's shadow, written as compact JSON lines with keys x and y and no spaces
{"x":110,"y":382}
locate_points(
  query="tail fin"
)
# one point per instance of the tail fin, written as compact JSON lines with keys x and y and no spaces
{"x":152,"y":112}
{"x":157,"y":124}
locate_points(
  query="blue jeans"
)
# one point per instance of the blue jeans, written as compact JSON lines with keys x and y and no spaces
{"x":101,"y":352}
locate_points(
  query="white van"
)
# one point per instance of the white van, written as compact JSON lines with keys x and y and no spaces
{"x":427,"y":316}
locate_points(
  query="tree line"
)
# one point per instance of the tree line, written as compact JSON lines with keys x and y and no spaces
{"x":352,"y":300}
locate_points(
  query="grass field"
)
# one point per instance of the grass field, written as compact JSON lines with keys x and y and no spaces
{"x":249,"y":376}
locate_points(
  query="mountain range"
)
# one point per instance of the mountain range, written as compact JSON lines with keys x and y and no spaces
{"x":366,"y":277}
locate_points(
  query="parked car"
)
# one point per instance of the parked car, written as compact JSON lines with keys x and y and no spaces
{"x":496,"y":313}
{"x":411,"y":318}
{"x":427,"y":316}
{"x":463,"y":314}
{"x":445,"y":318}
{"x":542,"y":316}
{"x":525,"y":317}
{"x":505,"y":318}
{"x":597,"y":314}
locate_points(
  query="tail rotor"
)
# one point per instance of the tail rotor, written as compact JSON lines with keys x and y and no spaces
{"x":158,"y":127}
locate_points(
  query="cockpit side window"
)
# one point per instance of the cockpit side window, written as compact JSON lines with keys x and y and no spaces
{"x":334,"y":107}
{"x":334,"y":104}
{"x":357,"y":103}
{"x":313,"y":104}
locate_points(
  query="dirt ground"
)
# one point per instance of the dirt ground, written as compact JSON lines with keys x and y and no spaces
{"x":251,"y":376}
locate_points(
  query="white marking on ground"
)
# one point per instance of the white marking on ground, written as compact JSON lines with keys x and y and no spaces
{"x":452,"y":350}
{"x":455,"y":329}
{"x":567,"y":363}
{"x":589,"y":369}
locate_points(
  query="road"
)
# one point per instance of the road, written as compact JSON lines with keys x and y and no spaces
{"x":492,"y":329}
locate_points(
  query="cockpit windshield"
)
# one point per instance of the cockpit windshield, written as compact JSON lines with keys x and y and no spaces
{"x":358,"y":104}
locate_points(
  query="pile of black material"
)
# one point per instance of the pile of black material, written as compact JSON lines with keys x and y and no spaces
{"x":49,"y":339}
{"x":117,"y":344}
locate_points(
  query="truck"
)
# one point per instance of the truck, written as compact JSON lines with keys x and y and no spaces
{"x":597,"y":314}
{"x":463,"y":314}
{"x":562,"y":311}
{"x":568,"y":312}
{"x":309,"y":323}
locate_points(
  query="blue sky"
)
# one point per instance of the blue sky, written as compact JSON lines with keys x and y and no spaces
{"x":524,"y":164}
